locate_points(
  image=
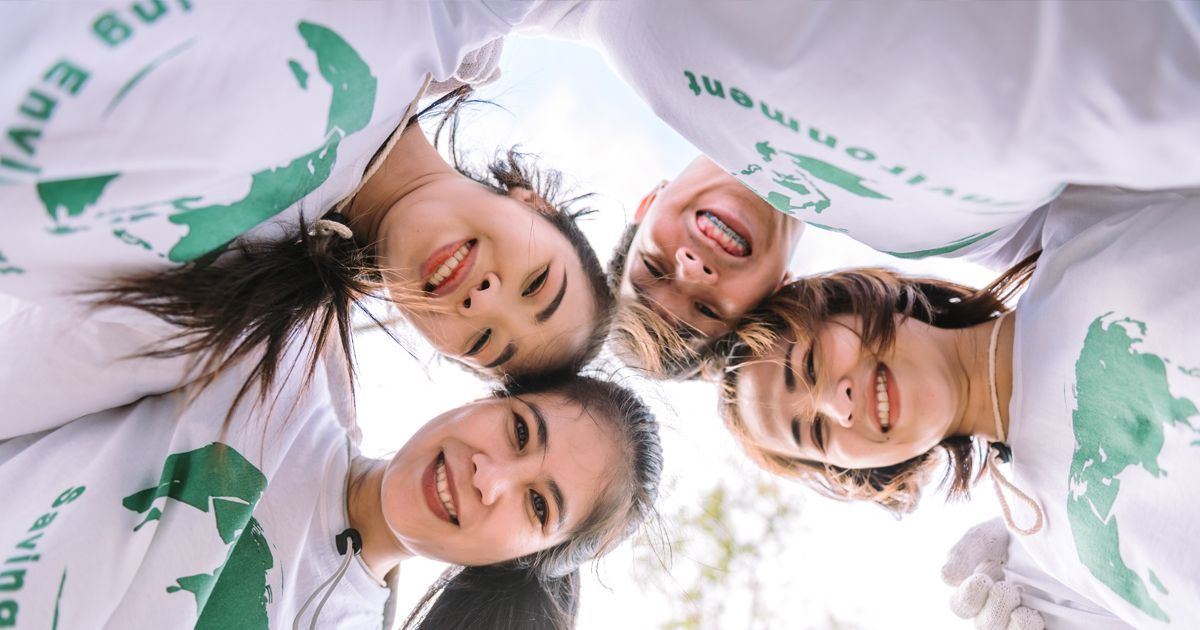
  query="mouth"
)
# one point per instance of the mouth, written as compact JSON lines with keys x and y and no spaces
{"x":887,"y":398}
{"x":447,"y":267}
{"x":730,"y":239}
{"x":438,"y":484}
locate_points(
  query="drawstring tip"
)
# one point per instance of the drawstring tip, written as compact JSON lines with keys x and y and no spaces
{"x":350,"y":535}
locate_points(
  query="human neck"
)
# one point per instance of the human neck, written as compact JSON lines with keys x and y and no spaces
{"x":411,"y":164}
{"x":381,"y":551}
{"x":977,"y":417}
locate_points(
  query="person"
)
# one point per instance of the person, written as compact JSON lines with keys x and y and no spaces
{"x":702,"y":250}
{"x":918,"y":129}
{"x":160,"y":514}
{"x":862,"y":383}
{"x":489,"y":266}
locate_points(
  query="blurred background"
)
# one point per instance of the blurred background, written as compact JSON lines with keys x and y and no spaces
{"x":734,"y":548}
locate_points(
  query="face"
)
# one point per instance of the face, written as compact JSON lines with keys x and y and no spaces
{"x":707,"y":249}
{"x":830,"y":400}
{"x":485,"y":278}
{"x":498,"y":479}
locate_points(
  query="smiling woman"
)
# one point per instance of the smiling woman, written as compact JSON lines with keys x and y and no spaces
{"x":492,"y":270}
{"x":277,"y":521}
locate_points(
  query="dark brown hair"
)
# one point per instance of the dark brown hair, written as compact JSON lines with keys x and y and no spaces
{"x":876,"y":296}
{"x":541,"y":591}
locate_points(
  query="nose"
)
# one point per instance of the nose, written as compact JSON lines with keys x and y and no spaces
{"x":689,"y":267}
{"x":491,"y":477}
{"x":482,"y":298}
{"x":840,"y":403}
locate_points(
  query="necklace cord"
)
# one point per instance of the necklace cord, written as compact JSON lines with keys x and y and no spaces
{"x":994,"y":454}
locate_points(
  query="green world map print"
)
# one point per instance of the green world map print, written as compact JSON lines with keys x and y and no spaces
{"x":212,"y":226}
{"x":1123,"y":404}
{"x":235,"y":594}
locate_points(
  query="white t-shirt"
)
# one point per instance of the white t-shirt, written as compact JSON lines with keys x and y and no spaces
{"x":153,"y":516}
{"x":916,"y":128}
{"x":140,"y":135}
{"x":1105,"y":426}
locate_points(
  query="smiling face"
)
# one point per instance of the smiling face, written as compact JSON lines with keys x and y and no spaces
{"x":830,"y":400}
{"x":707,"y":249}
{"x":498,"y":479}
{"x":486,"y":278}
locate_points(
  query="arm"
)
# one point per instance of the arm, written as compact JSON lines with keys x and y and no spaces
{"x":61,"y":363}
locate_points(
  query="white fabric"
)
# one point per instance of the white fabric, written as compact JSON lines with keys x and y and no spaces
{"x":120,"y":519}
{"x":137,"y":136}
{"x":916,"y":128}
{"x":1105,"y":427}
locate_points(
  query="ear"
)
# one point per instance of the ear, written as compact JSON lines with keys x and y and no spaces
{"x":784,"y":279}
{"x":648,"y":201}
{"x":532,"y":199}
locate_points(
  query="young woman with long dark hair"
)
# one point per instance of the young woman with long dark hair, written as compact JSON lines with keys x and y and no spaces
{"x":158,"y":514}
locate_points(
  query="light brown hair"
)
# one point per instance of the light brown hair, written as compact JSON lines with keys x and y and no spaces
{"x":876,"y":296}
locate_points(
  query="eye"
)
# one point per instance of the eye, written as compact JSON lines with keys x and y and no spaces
{"x":654,"y":272}
{"x":810,"y":364}
{"x":537,"y":283}
{"x":480,"y":343}
{"x":707,"y":312}
{"x":818,"y":432}
{"x":521,"y":430}
{"x":540,"y":509}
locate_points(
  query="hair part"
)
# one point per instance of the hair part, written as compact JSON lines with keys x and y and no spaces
{"x":541,"y":591}
{"x":877,"y":297}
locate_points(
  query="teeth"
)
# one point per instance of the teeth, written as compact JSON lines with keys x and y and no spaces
{"x":881,"y":399}
{"x":725,"y":234}
{"x":443,"y":488}
{"x":449,"y":266}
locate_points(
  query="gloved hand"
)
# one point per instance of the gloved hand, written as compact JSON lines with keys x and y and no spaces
{"x":975,"y":565}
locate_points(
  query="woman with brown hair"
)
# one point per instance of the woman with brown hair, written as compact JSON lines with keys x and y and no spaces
{"x":863,"y":383}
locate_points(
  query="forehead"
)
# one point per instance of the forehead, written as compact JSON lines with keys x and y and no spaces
{"x":583,"y":454}
{"x":763,"y":403}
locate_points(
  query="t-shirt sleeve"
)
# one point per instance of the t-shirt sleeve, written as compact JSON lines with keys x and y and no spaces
{"x":62,"y":363}
{"x":1060,"y":607}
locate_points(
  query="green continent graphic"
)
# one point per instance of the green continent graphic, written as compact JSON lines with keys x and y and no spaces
{"x":219,"y":476}
{"x":274,"y":190}
{"x":945,"y":249}
{"x":240,"y":602}
{"x":70,"y":197}
{"x":1123,"y":403}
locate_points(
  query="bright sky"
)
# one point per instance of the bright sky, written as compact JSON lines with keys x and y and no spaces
{"x":844,"y":565}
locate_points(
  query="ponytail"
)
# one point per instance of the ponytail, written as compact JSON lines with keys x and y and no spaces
{"x":497,"y":597}
{"x":255,"y":298}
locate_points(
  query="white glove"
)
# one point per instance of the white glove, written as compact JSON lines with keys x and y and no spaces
{"x":976,"y":566}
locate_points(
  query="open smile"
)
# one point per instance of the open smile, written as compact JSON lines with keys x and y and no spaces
{"x":725,"y":233}
{"x":887,"y":399}
{"x":448,"y":266}
{"x":438,"y":487}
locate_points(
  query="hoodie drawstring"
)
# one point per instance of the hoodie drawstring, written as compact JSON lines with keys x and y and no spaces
{"x":995,"y":454}
{"x":354,"y":539}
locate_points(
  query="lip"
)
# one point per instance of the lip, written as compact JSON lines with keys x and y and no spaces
{"x":440,"y":256}
{"x":893,"y":395}
{"x":734,"y":223}
{"x":429,"y":490}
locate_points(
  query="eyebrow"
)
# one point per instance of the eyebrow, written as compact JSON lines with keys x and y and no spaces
{"x":560,"y":502}
{"x":509,"y":352}
{"x":551,"y":308}
{"x":789,"y":376}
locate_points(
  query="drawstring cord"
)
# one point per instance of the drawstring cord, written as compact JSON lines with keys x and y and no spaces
{"x":996,"y":451}
{"x":354,"y":539}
